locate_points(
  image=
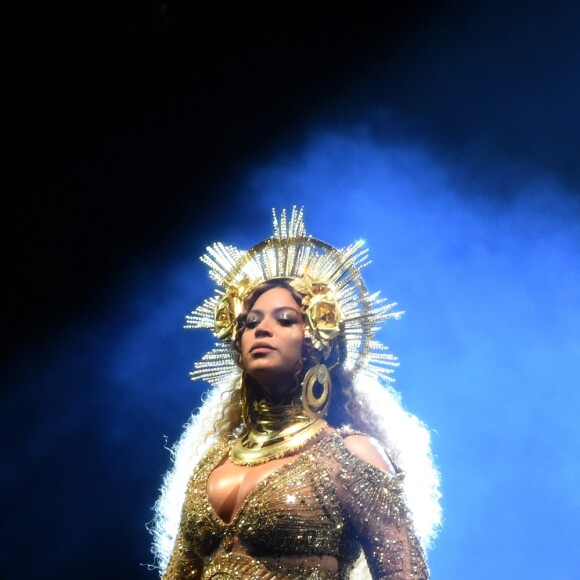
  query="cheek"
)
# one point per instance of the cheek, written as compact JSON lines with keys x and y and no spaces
{"x":297,"y":342}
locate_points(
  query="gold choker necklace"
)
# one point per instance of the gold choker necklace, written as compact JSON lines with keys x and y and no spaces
{"x":278,"y":430}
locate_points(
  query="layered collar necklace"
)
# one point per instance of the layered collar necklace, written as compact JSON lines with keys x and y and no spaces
{"x":277,"y":431}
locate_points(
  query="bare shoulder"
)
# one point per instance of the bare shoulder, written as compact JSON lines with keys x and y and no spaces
{"x":368,"y":449}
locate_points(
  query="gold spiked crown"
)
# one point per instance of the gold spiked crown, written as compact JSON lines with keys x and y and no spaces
{"x":335,"y":300}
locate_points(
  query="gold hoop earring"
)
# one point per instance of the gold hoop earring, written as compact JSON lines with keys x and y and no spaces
{"x":316,"y":391}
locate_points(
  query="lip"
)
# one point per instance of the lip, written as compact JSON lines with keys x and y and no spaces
{"x":261,"y":346}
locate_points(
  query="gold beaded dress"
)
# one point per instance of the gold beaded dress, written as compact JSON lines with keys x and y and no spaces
{"x":309,"y":518}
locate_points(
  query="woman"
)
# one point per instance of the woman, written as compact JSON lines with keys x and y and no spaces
{"x":300,"y":464}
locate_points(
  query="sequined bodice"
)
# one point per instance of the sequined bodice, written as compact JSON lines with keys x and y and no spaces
{"x":306,"y":519}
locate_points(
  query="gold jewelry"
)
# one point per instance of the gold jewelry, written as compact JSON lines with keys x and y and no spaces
{"x":245,"y":403}
{"x":315,"y":402}
{"x":336,"y":301}
{"x":279,"y":430}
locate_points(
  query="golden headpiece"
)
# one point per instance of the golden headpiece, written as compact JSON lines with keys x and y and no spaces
{"x":335,"y":301}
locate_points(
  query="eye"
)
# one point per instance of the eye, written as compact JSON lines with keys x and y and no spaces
{"x":252,"y":322}
{"x":288,"y":319}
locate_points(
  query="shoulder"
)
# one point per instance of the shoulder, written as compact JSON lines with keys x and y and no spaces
{"x":369,"y":450}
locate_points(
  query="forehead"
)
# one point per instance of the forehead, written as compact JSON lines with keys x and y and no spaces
{"x":275,"y":298}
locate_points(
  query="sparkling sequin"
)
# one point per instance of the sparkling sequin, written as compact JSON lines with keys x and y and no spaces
{"x":339,"y":505}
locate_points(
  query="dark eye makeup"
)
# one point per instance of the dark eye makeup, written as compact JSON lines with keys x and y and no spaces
{"x":284,"y":317}
{"x":287,"y":318}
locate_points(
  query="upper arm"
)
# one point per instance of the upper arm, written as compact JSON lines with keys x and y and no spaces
{"x":368,"y":449}
{"x":371,"y":493}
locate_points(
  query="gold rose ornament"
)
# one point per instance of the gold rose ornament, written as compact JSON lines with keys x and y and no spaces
{"x":228,"y":308}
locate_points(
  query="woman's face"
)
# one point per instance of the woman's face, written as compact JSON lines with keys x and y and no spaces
{"x":272,"y":341}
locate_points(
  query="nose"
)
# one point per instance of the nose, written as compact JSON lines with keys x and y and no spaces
{"x":263,"y":328}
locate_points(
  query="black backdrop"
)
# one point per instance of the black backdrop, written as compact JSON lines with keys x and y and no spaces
{"x":123,"y":114}
{"x":120,"y":115}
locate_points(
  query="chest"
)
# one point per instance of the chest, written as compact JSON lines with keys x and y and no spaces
{"x":229,"y":485}
{"x":287,"y":506}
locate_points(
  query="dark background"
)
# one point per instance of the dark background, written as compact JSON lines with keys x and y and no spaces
{"x":129,"y":118}
{"x":128,"y":123}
